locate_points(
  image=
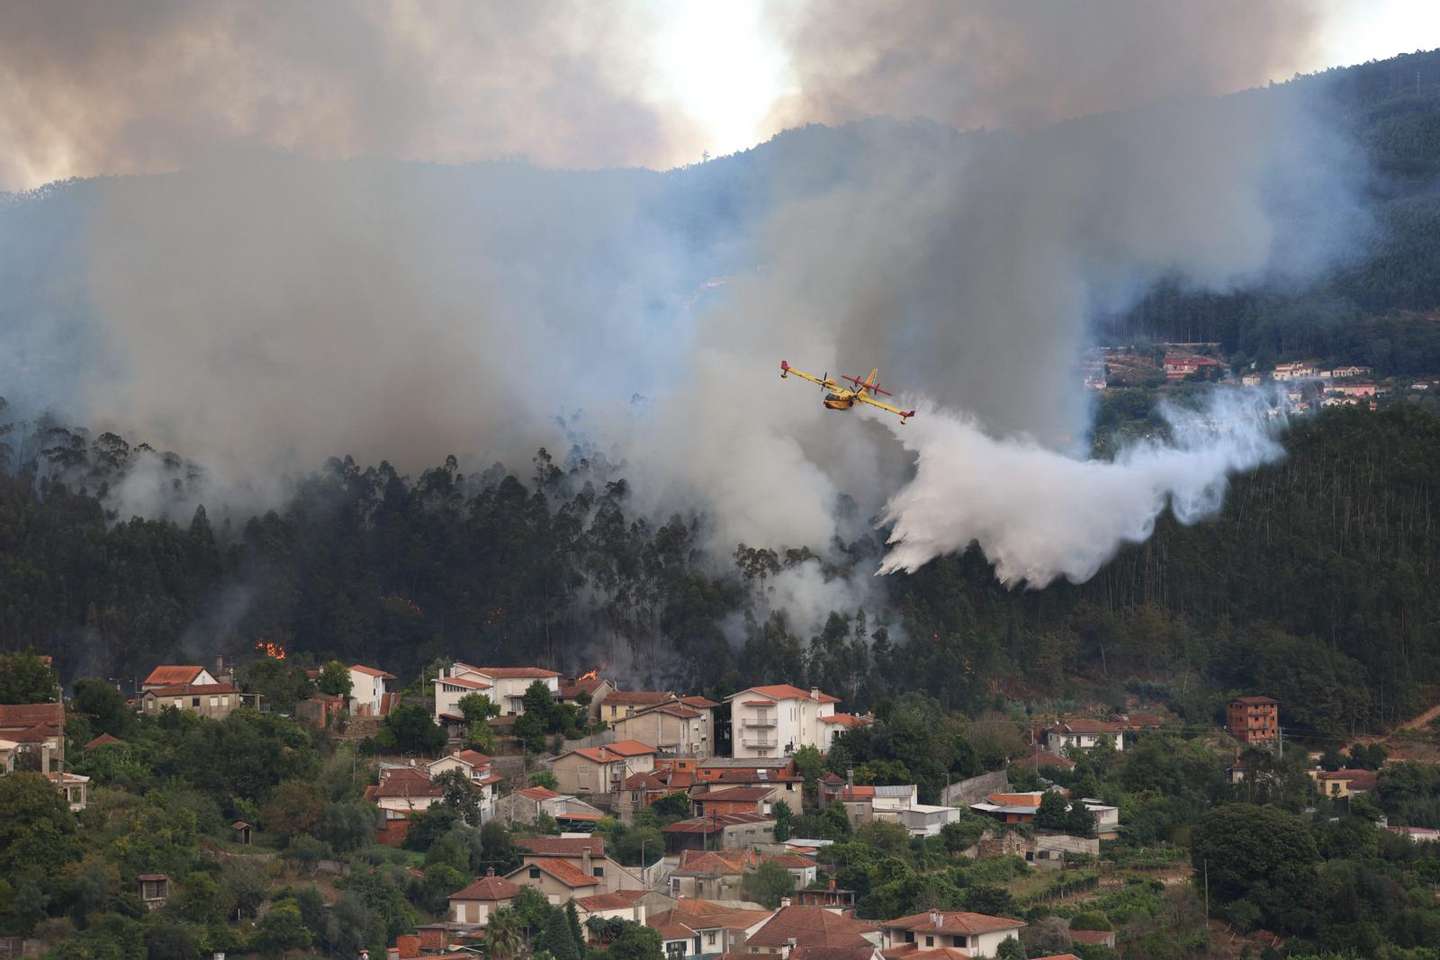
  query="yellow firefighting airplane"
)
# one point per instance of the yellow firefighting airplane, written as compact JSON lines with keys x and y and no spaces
{"x":843,"y":398}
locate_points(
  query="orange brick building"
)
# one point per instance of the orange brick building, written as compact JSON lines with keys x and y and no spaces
{"x":1253,"y":720}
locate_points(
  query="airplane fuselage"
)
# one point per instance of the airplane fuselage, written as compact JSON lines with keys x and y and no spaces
{"x":839,"y":401}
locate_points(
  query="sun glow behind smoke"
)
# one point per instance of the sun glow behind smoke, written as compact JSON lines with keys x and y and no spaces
{"x":1038,"y":514}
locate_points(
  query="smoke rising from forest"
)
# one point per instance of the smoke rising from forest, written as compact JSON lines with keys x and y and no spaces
{"x":1077,"y":513}
{"x":260,"y":311}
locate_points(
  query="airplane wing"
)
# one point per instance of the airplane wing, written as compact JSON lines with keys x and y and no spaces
{"x":786,"y":369}
{"x":864,"y":397}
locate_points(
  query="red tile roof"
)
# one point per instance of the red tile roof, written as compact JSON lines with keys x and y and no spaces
{"x":562,"y":870}
{"x":787,"y":691}
{"x":847,"y":720}
{"x":169,"y":674}
{"x":619,"y":900}
{"x":694,"y":914}
{"x":1092,"y":937}
{"x":469,"y":683}
{"x":537,"y":793}
{"x":860,"y":792}
{"x":104,"y":740}
{"x":13,"y":715}
{"x":405,"y":782}
{"x":811,"y":927}
{"x":488,"y":887}
{"x":952,"y":922}
{"x":791,"y":861}
{"x":1254,"y":701}
{"x":674,"y":709}
{"x":715,"y":824}
{"x":858,"y":951}
{"x":574,"y":686}
{"x":1015,"y":800}
{"x":712,"y":863}
{"x":562,"y":846}
{"x":1044,"y":758}
{"x":630,"y":748}
{"x":473,"y":757}
{"x":699,"y":703}
{"x":734,"y":795}
{"x":1088,"y":727}
{"x":371,"y":671}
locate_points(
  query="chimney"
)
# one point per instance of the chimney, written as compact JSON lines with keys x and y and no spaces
{"x":936,"y":919}
{"x":849,"y":776}
{"x":585,"y":860}
{"x":785,"y":902}
{"x":814,"y":693}
{"x":489,"y":871}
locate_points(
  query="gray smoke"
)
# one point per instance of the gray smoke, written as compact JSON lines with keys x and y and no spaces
{"x":261,"y":311}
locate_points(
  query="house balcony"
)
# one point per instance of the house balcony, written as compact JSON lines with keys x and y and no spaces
{"x":760,"y":721}
{"x":758,"y":739}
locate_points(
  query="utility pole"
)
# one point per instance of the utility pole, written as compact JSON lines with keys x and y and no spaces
{"x":1207,"y":887}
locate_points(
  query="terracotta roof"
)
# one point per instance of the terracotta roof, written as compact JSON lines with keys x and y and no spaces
{"x":754,"y":775}
{"x":859,"y":792}
{"x":909,"y":951}
{"x":104,"y":740}
{"x":673,"y":709}
{"x":787,"y":691}
{"x":1058,"y":956}
{"x":646,"y":780}
{"x":512,"y":673}
{"x":639,"y":697}
{"x":811,"y":927}
{"x":568,"y":874}
{"x":832,"y":777}
{"x":192,"y":690}
{"x":952,"y":922}
{"x":473,"y":757}
{"x":561,"y":846}
{"x":699,"y":703}
{"x":32,"y":722}
{"x":1044,"y":758}
{"x":1016,"y":799}
{"x":1360,"y":780}
{"x":406,"y":783}
{"x":469,"y":683}
{"x":858,"y":951}
{"x":1254,"y":701}
{"x":371,"y":671}
{"x":537,"y":793}
{"x":630,"y":748}
{"x":1092,"y":937}
{"x":572,"y":687}
{"x":619,"y":900}
{"x":695,"y":914}
{"x":594,"y":754}
{"x":151,"y":876}
{"x":735,"y":795}
{"x":715,"y":824}
{"x":847,"y":720}
{"x":488,"y":887}
{"x":791,"y":861}
{"x":169,"y":674}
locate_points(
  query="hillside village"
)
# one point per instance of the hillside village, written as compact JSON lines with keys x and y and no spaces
{"x":486,"y":808}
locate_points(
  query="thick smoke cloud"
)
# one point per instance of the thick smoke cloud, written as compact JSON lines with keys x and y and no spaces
{"x":93,"y":87}
{"x":261,"y":312}
{"x":994,"y":63}
{"x":1077,"y":513}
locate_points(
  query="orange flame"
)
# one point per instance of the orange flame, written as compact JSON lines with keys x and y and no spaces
{"x":592,"y":675}
{"x":272,"y":650}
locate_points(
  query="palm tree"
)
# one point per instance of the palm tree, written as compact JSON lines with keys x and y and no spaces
{"x":503,"y":936}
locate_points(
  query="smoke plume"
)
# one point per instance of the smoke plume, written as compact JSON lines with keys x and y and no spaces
{"x":1039,"y":515}
{"x":260,"y":309}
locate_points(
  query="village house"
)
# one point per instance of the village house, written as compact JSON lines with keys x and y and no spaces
{"x":713,"y":802}
{"x":727,"y":831}
{"x":174,"y":675}
{"x":1344,"y":783}
{"x":969,"y":934}
{"x":1352,"y":390}
{"x":479,"y":770}
{"x":1296,"y":370}
{"x":712,"y":874}
{"x":675,"y":728}
{"x":702,"y":928}
{"x":563,"y":868}
{"x":642,"y":789}
{"x":750,"y":772}
{"x":796,"y":926}
{"x":527,"y":804}
{"x":1345,"y":373}
{"x":619,"y":905}
{"x":1084,"y":734}
{"x":837,"y":723}
{"x":505,"y":686}
{"x":603,"y":769}
{"x":1180,"y":366}
{"x":1011,"y":807}
{"x":622,"y":703}
{"x":830,"y":897}
{"x":778,"y":719}
{"x":214,"y":700}
{"x":1254,"y":721}
{"x":591,"y":688}
{"x":1251,"y":379}
{"x":32,"y":736}
{"x":476,"y":903}
{"x":401,"y":793}
{"x":370,"y":694}
{"x":802,"y":868}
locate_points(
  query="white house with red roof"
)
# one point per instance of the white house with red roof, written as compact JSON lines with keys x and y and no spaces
{"x":780,"y":718}
{"x":505,"y":686}
{"x":174,"y":675}
{"x":368,"y":689}
{"x":479,"y":770}
{"x":949,"y":931}
{"x":475,"y":903}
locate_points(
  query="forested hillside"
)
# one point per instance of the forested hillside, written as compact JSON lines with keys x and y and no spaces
{"x":1315,"y":585}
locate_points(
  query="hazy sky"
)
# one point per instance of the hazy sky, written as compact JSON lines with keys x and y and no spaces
{"x":91,"y":86}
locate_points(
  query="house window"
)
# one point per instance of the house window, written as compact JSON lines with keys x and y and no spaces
{"x":534,"y":873}
{"x":909,"y":936}
{"x":195,"y":702}
{"x":710,"y":937}
{"x":214,"y":701}
{"x":929,"y":941}
{"x":598,"y":871}
{"x":957,"y":941}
